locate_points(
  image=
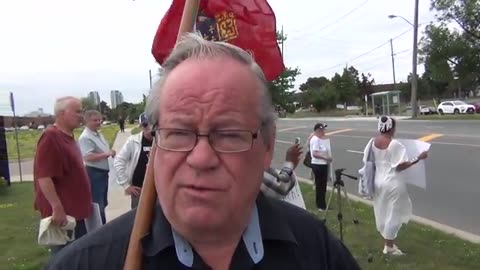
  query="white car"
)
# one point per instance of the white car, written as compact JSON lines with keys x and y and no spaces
{"x":455,"y":107}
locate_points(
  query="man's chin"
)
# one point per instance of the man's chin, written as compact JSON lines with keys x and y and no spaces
{"x":202,"y":218}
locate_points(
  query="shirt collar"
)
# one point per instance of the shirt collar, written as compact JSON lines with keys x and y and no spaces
{"x":266,"y":223}
{"x":96,"y":133}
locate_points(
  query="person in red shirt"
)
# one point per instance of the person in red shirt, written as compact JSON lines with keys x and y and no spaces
{"x":60,"y":179}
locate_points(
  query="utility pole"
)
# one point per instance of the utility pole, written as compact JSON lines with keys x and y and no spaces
{"x":282,"y":40}
{"x":393,"y":64}
{"x":150,"y":77}
{"x":414,"y":63}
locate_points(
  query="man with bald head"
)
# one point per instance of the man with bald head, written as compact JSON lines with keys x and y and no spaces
{"x":61,"y":181}
{"x":215,"y":132}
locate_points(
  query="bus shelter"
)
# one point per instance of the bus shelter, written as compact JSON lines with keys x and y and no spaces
{"x":386,"y":102}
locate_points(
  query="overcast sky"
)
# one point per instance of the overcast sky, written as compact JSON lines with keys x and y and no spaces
{"x":51,"y":48}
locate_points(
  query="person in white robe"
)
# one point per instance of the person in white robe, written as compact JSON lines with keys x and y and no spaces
{"x":392,"y":204}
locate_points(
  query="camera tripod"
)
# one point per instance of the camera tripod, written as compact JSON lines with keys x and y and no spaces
{"x":337,"y":190}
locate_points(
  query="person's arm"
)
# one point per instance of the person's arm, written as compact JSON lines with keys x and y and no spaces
{"x":271,"y":179}
{"x":283,"y":181}
{"x":87,"y":147}
{"x":48,"y":156}
{"x":120,"y":163}
{"x":400,"y":159}
{"x":407,"y":164}
{"x":317,"y":146}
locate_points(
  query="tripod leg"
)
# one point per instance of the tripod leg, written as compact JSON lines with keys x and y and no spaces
{"x":356,"y":222}
{"x":329,"y":202}
{"x":340,"y":213}
{"x":349,"y":204}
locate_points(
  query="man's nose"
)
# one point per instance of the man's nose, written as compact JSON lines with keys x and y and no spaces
{"x":203,"y":156}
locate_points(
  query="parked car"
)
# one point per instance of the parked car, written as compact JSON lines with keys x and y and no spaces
{"x":427,"y":110}
{"x":477,"y":106}
{"x":455,"y":107}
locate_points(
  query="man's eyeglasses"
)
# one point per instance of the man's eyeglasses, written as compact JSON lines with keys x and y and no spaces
{"x":222,"y":141}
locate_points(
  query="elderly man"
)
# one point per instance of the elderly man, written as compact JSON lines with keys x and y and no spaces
{"x":215,"y":135}
{"x":96,"y":151}
{"x":60,"y":180}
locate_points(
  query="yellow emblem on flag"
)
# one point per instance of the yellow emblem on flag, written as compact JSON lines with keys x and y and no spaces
{"x":226,"y":25}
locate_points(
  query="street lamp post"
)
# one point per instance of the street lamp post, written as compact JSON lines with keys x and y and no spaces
{"x":413,"y":94}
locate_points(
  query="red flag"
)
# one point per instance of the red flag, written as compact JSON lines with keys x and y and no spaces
{"x":248,"y":24}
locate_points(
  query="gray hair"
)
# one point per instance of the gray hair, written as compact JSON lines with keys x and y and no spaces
{"x":194,"y":46}
{"x":88,"y":114}
{"x":61,"y":104}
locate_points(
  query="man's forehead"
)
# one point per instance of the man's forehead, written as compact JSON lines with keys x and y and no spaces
{"x":223,"y":78}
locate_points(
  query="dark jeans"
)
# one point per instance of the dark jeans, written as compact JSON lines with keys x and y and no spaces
{"x":134,"y":202}
{"x":321,"y":177}
{"x":99,"y":187}
{"x":80,"y":230}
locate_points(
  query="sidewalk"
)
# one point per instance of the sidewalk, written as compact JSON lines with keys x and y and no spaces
{"x":118,"y":202}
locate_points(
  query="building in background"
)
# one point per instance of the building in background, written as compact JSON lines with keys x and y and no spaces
{"x":116,"y":98}
{"x":94,"y":97}
{"x":37,"y":113}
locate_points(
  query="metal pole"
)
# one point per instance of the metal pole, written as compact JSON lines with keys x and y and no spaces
{"x":283,"y":39}
{"x":150,"y":77}
{"x":414,"y":63}
{"x":16,"y":137}
{"x":393,"y":64}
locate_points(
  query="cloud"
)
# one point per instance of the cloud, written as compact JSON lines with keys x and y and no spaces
{"x":52,"y":48}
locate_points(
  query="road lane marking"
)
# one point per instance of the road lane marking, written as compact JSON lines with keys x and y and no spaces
{"x":292,"y":128}
{"x":355,"y":151}
{"x":338,"y":131}
{"x":456,"y":144}
{"x":430,"y":137}
{"x":328,"y":133}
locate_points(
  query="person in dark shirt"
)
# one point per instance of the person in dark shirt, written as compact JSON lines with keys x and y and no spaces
{"x":121,"y":124}
{"x":215,"y":139}
{"x":131,"y":162}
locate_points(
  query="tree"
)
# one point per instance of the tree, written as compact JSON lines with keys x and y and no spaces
{"x":366,"y":84}
{"x":316,"y":83}
{"x":464,"y":12}
{"x":104,"y":108}
{"x":451,"y":56}
{"x":279,"y":88}
{"x":87,"y":104}
{"x":347,"y":85}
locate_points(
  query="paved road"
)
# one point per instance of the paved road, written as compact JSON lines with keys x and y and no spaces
{"x":453,"y":168}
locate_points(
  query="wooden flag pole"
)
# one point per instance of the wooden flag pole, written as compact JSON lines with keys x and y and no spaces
{"x":146,"y":204}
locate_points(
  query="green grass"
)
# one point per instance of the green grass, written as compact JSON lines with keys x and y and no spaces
{"x":426,"y":248}
{"x":332,"y":113}
{"x":19,"y":229}
{"x":450,"y":117}
{"x":136,"y":130}
{"x":27,"y":140}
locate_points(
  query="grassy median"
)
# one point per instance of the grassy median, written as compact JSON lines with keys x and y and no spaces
{"x":426,"y":247}
{"x":27,"y":141}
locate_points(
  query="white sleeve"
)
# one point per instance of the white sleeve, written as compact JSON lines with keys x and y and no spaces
{"x":121,"y":161}
{"x":399,"y":154}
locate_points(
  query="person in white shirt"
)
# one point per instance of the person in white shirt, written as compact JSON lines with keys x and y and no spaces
{"x":321,"y":158}
{"x":131,"y":162}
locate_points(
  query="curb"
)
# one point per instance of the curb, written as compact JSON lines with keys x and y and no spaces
{"x":470,"y":237}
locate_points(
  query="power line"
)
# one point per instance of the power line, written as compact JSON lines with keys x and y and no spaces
{"x":336,"y":21}
{"x":366,"y":53}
